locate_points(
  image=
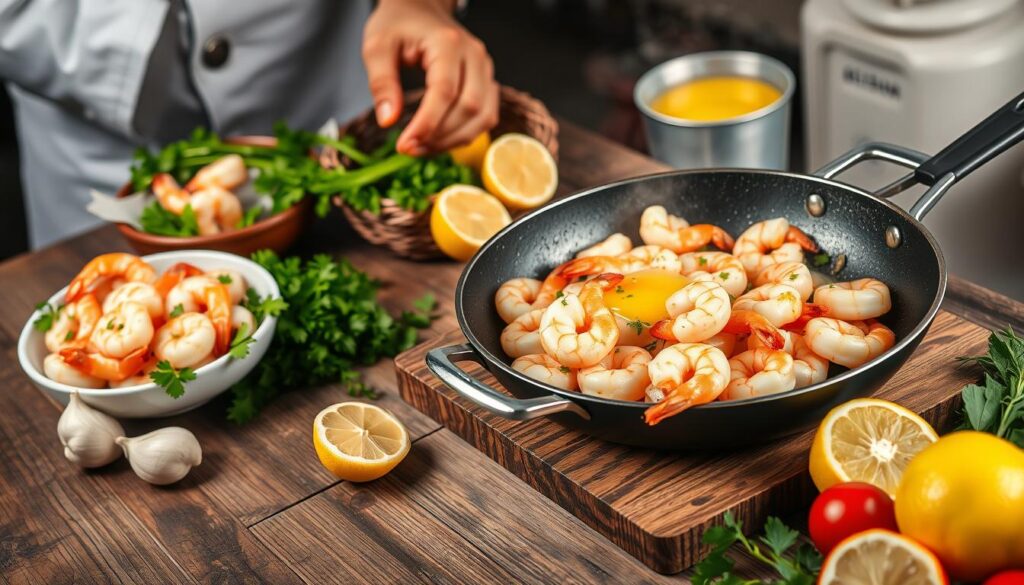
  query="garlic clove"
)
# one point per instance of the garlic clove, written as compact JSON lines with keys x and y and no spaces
{"x":163,"y":456}
{"x":88,"y":435}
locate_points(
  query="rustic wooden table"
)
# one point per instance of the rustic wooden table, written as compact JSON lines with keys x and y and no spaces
{"x":260,"y":507}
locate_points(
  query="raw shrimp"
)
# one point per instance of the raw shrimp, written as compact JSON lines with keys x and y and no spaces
{"x":614,"y":245}
{"x":170,"y":195}
{"x":74,"y":322}
{"x":123,"y":331}
{"x":579,"y":330}
{"x":233,"y":281}
{"x":185,"y":341}
{"x":637,"y":259}
{"x":241,"y":316}
{"x":865,"y":298}
{"x":620,"y":375}
{"x":516,"y":297}
{"x":108,"y":266}
{"x":724,"y":268}
{"x":808,"y":367}
{"x":794,"y":274}
{"x":59,"y":371}
{"x":698,"y":311}
{"x":659,"y":228}
{"x":217,"y":210}
{"x":779,"y":303}
{"x":174,"y":275}
{"x":846,"y":344}
{"x":770,"y":242}
{"x":742,"y":322}
{"x":521,"y":337}
{"x":546,"y":369}
{"x":227,"y":172}
{"x":203,"y":293}
{"x":759,"y":372}
{"x":139,"y":292}
{"x":104,"y":367}
{"x":688,"y":374}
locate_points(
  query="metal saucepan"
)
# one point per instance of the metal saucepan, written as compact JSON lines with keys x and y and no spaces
{"x":878,"y":238}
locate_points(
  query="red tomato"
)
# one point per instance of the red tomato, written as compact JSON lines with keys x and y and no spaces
{"x":846,"y":509}
{"x":1015,"y":577}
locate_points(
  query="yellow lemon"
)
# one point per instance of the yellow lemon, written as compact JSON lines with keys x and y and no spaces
{"x":859,"y":558}
{"x":359,"y":442}
{"x":520,"y":171}
{"x":963,"y":498}
{"x":463,"y":218}
{"x":867,"y":440}
{"x":472,"y":154}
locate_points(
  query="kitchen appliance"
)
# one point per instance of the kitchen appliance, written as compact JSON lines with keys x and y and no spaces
{"x":919,"y":73}
{"x":758,"y":140}
{"x":878,"y":238}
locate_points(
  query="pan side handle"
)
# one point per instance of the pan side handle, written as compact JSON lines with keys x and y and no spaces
{"x":443,"y":363}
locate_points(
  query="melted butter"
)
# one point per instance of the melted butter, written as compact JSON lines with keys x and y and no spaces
{"x":642,"y":295}
{"x":715,"y":98}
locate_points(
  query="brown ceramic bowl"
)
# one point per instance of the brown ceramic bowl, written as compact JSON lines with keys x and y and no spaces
{"x":277,"y":232}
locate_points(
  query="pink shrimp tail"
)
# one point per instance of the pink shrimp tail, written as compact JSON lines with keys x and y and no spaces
{"x":809,"y":311}
{"x":758,"y":325}
{"x":663,"y":330}
{"x":721,"y":239}
{"x":795,"y":234}
{"x":609,"y":279}
{"x":581,"y":267}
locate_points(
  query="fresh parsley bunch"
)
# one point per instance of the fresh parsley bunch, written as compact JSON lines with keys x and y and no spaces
{"x":997,"y":404}
{"x":329,"y":323}
{"x":157,"y":220}
{"x":794,"y":567}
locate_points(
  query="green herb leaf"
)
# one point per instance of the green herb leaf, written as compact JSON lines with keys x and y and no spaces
{"x":177,"y":310}
{"x":638,"y":325}
{"x":426,"y":303}
{"x":159,"y":221}
{"x":997,"y":406}
{"x":172,"y":380}
{"x":821,"y":259}
{"x":250,"y":217}
{"x":723,"y":275}
{"x":224,"y":279}
{"x":798,"y":568}
{"x":47,"y":315}
{"x":240,"y":343}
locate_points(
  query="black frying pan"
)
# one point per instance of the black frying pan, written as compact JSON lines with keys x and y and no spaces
{"x":878,"y":238}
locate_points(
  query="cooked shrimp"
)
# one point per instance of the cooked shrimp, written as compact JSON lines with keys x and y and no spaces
{"x":688,"y":374}
{"x":726,"y":342}
{"x":744,"y":322}
{"x":217,"y":210}
{"x":227,"y":172}
{"x":522,"y":337}
{"x":759,"y":372}
{"x":97,"y":365}
{"x":185,"y":341}
{"x":170,"y":195}
{"x":637,"y":259}
{"x":724,"y":268}
{"x":109,"y":266}
{"x":865,"y":298}
{"x":58,"y":370}
{"x":620,"y":375}
{"x":846,"y":344}
{"x":579,"y":330}
{"x":770,"y":242}
{"x":123,"y":331}
{"x":698,"y":311}
{"x":240,"y":316}
{"x":779,"y":303}
{"x":658,"y":228}
{"x":233,"y":281}
{"x":139,"y":292}
{"x":808,"y":367}
{"x":516,"y":297}
{"x":174,"y":275}
{"x":794,"y":274}
{"x":206,"y":294}
{"x":614,"y":245}
{"x":138,"y":378}
{"x":544,"y":368}
{"x":74,"y":322}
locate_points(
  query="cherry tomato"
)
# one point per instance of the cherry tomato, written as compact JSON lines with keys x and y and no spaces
{"x":846,"y":509}
{"x":1015,"y":577}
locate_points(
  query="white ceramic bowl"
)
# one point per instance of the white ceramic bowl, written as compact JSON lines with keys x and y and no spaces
{"x":150,"y":400}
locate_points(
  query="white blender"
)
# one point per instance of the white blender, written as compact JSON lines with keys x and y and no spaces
{"x":919,"y":73}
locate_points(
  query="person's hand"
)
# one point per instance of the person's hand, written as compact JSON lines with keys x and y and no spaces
{"x":461,"y":98}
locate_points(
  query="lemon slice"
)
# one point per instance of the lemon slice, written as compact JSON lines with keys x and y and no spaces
{"x":359,"y":442}
{"x":472,"y":154}
{"x":464,"y":217}
{"x":520,"y":171}
{"x":881,"y":557}
{"x":868,"y":440}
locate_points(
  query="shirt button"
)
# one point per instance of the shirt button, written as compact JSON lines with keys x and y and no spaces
{"x":216,"y":50}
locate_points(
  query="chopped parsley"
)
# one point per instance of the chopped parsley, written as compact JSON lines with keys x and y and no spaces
{"x":638,"y":325}
{"x":69,"y":336}
{"x":565,"y":303}
{"x":619,"y":289}
{"x":703,"y":261}
{"x":224,"y":279}
{"x":240,"y":344}
{"x":564,"y":370}
{"x":723,"y":275}
{"x":822,"y":259}
{"x":47,"y":315}
{"x":559,"y":294}
{"x":794,"y":276}
{"x":177,"y":310}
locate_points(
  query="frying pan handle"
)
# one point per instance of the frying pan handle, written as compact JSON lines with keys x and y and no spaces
{"x":442,"y":362}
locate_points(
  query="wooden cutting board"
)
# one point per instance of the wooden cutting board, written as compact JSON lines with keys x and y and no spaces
{"x":655,"y":505}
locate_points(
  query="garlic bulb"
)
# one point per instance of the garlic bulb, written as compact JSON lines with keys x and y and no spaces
{"x":163,"y":456}
{"x":88,"y":435}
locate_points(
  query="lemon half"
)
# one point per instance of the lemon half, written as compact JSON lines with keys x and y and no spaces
{"x":359,"y":442}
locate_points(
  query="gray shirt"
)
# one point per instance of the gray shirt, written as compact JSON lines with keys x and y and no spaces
{"x":92,"y":80}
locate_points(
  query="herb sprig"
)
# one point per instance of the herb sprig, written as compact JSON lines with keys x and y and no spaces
{"x":775,"y":548}
{"x":171,"y":379}
{"x":997,"y":404}
{"x":47,"y":316}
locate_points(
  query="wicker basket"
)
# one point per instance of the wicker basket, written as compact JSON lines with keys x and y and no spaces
{"x":405,"y":232}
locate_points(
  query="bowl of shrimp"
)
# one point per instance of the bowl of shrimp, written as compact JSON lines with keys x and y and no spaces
{"x":123,"y":317}
{"x":210,"y":195}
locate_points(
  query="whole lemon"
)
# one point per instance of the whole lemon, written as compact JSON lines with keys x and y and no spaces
{"x":963,"y":498}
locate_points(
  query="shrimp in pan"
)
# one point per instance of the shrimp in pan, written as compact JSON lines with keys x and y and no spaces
{"x":546,"y":369}
{"x":725,"y":269}
{"x":699,"y":310}
{"x":659,"y":228}
{"x":779,"y":303}
{"x":637,"y":259}
{"x":620,"y":375}
{"x":770,"y":242}
{"x":579,"y":330}
{"x":516,"y":297}
{"x":759,"y":372}
{"x":688,"y":374}
{"x":614,"y":245}
{"x":866,"y":298}
{"x":522,"y":337}
{"x":808,"y":367}
{"x":845,"y":343}
{"x":794,"y":274}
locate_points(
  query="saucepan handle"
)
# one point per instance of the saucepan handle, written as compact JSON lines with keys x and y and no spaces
{"x":985,"y":141}
{"x":443,"y":363}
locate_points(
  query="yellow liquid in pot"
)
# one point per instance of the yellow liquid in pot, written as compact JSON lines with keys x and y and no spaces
{"x":715,"y":98}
